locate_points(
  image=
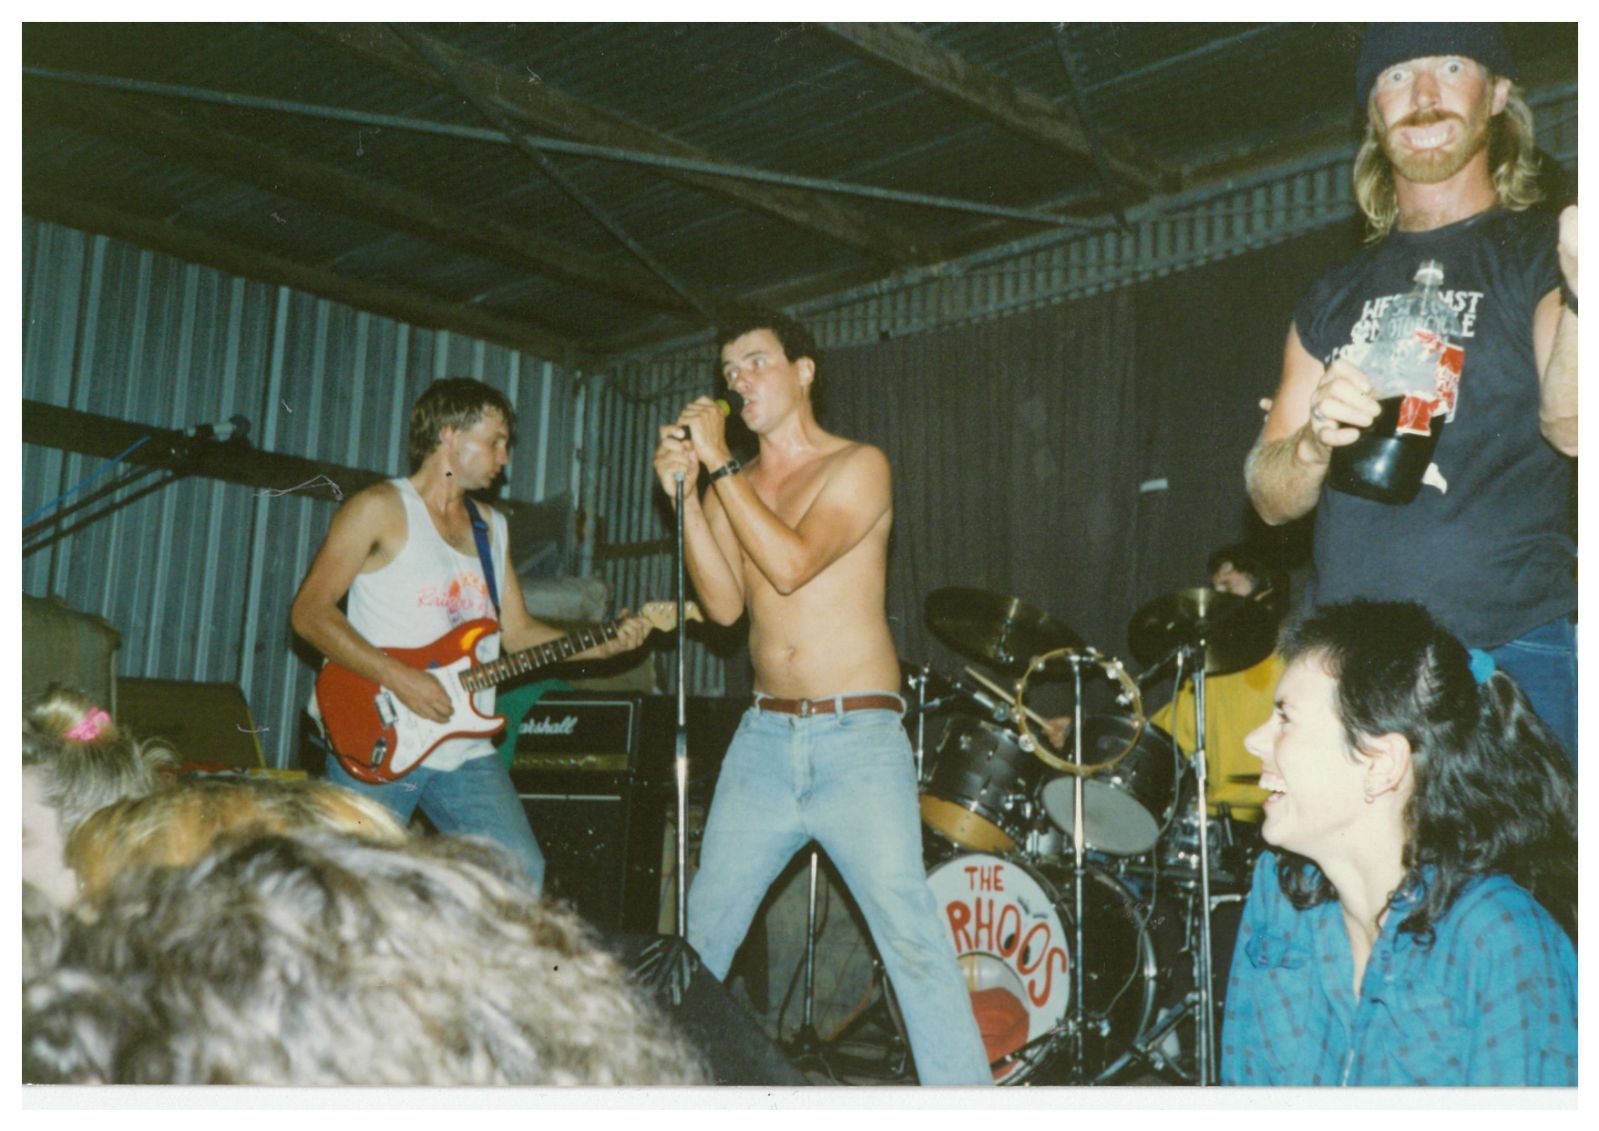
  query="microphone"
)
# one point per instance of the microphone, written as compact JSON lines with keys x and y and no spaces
{"x":683,"y":432}
{"x":233,"y":427}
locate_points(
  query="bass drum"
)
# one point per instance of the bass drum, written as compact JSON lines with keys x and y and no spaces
{"x":1012,"y":926}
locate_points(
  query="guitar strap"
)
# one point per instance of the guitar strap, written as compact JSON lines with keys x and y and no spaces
{"x":480,"y":534}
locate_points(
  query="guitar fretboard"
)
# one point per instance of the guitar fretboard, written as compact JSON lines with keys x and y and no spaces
{"x":485,"y":676}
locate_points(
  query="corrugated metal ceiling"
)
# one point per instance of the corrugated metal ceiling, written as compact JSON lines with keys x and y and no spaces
{"x":214,"y":183}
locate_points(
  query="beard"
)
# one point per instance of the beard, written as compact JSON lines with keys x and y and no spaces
{"x":1430,"y":166}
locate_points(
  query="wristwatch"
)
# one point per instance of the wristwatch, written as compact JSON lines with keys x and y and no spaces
{"x":731,"y":467}
{"x":1568,"y":296}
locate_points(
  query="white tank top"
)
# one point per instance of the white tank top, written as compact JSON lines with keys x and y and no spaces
{"x":426,"y":590}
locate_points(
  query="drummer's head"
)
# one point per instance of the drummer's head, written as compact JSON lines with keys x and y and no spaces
{"x":1423,"y":730}
{"x":1245,"y":571}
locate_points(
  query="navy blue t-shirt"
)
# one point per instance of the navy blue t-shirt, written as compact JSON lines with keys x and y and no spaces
{"x":1492,"y":555}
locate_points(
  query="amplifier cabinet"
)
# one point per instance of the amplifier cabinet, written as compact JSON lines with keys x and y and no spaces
{"x":594,"y":772}
{"x":584,"y":838}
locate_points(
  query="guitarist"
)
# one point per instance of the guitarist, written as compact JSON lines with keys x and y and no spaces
{"x":799,"y":540}
{"x":405,"y":553}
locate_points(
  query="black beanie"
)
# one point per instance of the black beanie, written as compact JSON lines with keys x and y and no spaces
{"x":1386,"y":44}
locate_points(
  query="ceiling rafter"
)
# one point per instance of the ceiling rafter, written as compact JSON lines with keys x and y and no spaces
{"x":538,"y":105}
{"x":322,"y":183}
{"x":60,"y":204}
{"x":986,"y":92}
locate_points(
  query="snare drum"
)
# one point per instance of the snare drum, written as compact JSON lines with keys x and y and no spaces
{"x":1012,"y":926}
{"x":979,"y":785}
{"x":1126,"y":807}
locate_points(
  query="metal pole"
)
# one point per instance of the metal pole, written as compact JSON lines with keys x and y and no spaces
{"x":1078,"y":869}
{"x":1207,"y":1018}
{"x":558,"y":145}
{"x":810,"y":943}
{"x":680,"y":760}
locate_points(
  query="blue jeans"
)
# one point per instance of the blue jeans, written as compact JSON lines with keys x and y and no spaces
{"x":1544,"y":663}
{"x":474,"y":799}
{"x":846,"y":781}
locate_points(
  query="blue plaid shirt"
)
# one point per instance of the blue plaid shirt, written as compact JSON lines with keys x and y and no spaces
{"x":1493,"y":1001}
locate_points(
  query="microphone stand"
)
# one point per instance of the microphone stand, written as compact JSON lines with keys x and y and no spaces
{"x":680,"y":757}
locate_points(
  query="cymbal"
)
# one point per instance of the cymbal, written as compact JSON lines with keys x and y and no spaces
{"x":1236,"y":632}
{"x":998,"y":630}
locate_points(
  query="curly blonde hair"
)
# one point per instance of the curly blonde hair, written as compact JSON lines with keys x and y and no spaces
{"x":320,"y":960}
{"x":1513,"y":164}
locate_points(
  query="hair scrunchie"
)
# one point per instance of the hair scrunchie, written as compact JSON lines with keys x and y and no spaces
{"x":88,"y":728}
{"x":1482,"y":665}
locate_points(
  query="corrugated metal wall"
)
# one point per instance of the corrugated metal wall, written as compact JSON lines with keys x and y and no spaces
{"x":198,"y":575}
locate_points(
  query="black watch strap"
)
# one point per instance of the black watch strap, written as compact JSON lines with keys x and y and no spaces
{"x":731,"y":467}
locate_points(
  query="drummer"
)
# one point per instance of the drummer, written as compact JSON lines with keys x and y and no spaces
{"x":1236,"y":702}
{"x":1407,"y":926}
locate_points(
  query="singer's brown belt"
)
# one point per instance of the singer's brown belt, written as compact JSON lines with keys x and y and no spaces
{"x":805,"y":708}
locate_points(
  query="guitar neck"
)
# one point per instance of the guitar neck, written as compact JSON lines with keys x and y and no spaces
{"x":485,"y":676}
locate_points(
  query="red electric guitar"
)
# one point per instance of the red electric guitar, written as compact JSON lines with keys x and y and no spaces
{"x":378,"y":739}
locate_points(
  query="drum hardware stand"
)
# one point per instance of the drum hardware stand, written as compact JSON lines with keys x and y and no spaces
{"x":806,"y":1041}
{"x":918,"y":682}
{"x":1079,"y":872}
{"x":1146,"y":1048}
{"x":1207,"y":1012}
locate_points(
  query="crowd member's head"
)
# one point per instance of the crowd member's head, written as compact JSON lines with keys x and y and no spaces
{"x":459,"y":404}
{"x":75,"y":760}
{"x":324,"y":960}
{"x":1246,"y":571}
{"x":1389,"y":732}
{"x":176,"y":826}
{"x":1412,"y":76}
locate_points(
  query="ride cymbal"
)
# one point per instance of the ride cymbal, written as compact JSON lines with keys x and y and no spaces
{"x":994,"y":629}
{"x":1236,"y":632}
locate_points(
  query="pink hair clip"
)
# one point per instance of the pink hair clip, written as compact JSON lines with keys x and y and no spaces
{"x":88,"y":728}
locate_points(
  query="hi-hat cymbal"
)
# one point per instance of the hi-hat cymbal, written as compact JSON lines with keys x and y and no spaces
{"x":1236,"y":632}
{"x":997,"y":630}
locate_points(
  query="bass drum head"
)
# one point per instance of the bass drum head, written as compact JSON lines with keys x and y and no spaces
{"x":1011,"y":925}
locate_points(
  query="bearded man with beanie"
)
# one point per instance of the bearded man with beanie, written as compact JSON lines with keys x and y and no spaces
{"x":1447,"y":172}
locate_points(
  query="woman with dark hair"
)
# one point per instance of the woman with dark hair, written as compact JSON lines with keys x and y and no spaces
{"x":1404,"y":930}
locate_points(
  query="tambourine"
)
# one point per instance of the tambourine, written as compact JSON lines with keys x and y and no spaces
{"x":1130,"y":697}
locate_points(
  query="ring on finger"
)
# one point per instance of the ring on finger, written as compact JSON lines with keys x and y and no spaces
{"x":1317,"y":416}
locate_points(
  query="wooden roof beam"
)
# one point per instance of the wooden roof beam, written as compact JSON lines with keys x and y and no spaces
{"x":537,"y":105}
{"x":60,"y":205}
{"x":990,"y":94}
{"x":278,"y":170}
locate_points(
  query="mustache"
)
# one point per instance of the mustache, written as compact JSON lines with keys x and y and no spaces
{"x":1426,"y":118}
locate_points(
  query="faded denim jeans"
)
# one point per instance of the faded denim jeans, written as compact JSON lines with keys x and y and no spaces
{"x":848,"y":782}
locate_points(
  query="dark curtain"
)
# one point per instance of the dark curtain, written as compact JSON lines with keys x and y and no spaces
{"x":1019,"y":446}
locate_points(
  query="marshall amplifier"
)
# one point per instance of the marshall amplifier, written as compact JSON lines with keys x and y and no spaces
{"x":573,"y":766}
{"x":579,"y":732}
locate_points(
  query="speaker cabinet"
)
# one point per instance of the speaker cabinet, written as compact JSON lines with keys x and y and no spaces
{"x":584,"y":838}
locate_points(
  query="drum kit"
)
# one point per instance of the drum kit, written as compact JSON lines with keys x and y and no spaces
{"x":1054,"y":846}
